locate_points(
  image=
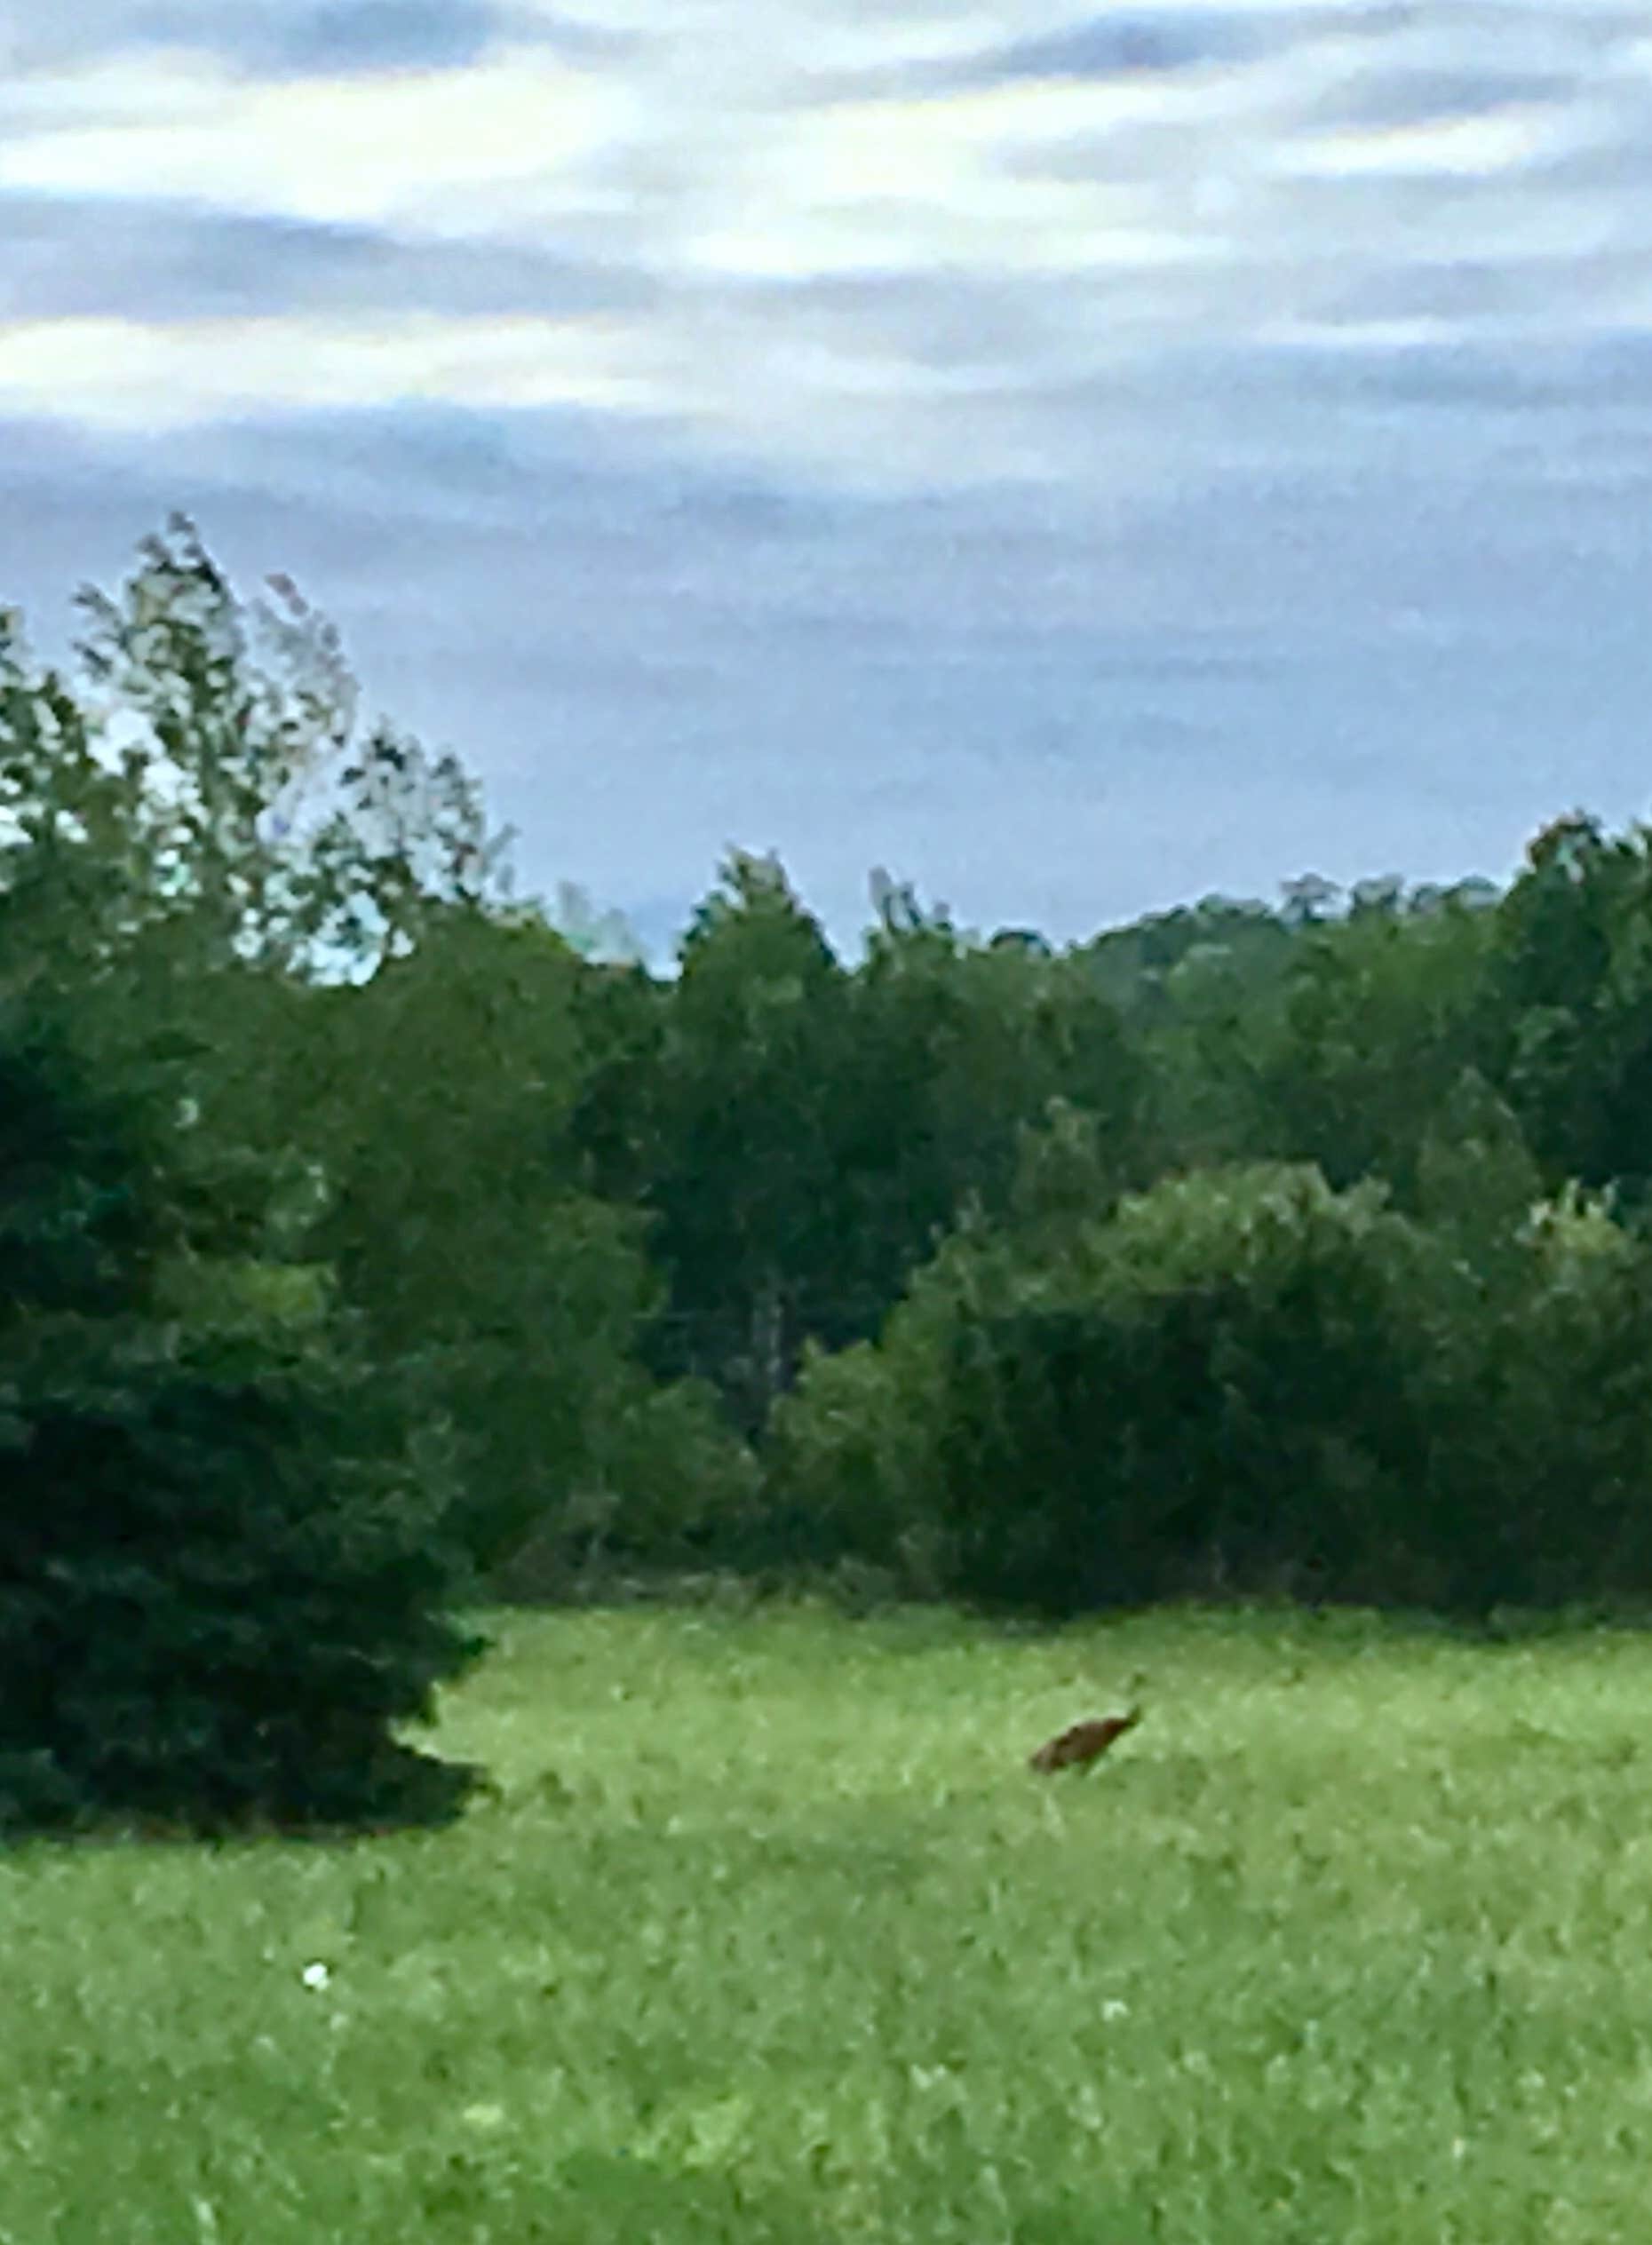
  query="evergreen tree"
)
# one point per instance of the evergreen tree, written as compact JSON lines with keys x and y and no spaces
{"x":223,"y":1576}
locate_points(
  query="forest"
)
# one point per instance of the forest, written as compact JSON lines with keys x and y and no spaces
{"x":374,"y":1241}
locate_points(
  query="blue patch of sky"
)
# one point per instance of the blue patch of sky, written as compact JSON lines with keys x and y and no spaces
{"x":325,"y":37}
{"x":345,"y":37}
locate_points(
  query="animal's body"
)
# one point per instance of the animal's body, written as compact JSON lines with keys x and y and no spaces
{"x":1082,"y":1744}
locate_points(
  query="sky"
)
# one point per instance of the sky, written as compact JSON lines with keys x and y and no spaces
{"x":1076,"y":462}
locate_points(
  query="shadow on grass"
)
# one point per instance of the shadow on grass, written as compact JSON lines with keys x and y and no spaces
{"x":606,"y":2196}
{"x":1343,"y":1627}
{"x":858,"y":1590}
{"x":404,"y":1790}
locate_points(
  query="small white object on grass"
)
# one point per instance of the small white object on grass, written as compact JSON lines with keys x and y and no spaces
{"x":316,"y":1975}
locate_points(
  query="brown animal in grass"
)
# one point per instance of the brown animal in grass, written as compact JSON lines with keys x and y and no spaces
{"x":1083,"y":1744}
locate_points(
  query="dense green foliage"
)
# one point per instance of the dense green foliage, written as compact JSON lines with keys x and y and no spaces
{"x":1296,"y":1248}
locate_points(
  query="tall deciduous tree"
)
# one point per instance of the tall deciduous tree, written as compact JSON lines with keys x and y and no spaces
{"x":749,"y":1194}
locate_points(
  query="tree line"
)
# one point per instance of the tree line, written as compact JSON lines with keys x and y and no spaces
{"x":371,"y":1242}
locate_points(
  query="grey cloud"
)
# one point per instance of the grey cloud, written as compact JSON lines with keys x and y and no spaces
{"x":1145,"y":41}
{"x":1432,"y":94}
{"x":65,"y":256}
{"x":1462,"y":292}
{"x":1120,"y":41}
{"x":1551,"y":382}
{"x":943,"y":321}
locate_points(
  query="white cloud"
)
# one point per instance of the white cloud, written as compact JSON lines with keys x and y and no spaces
{"x":123,"y":373}
{"x":1480,"y":146}
{"x":438,"y":153}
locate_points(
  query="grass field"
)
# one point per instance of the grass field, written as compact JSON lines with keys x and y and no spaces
{"x":772,"y":1935}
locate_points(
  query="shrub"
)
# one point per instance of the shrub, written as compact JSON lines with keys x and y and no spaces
{"x":666,"y":1485}
{"x":1221,"y":1386}
{"x":1220,"y":1391}
{"x":852,"y":1450}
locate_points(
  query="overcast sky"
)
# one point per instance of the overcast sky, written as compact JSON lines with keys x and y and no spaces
{"x":1077,"y":461}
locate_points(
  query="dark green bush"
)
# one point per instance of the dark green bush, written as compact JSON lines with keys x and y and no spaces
{"x":1220,"y":1391}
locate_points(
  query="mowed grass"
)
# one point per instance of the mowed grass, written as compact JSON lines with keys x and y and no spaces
{"x":773,"y":1935}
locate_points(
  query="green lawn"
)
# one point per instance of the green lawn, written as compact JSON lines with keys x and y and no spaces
{"x":774,"y":1935}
